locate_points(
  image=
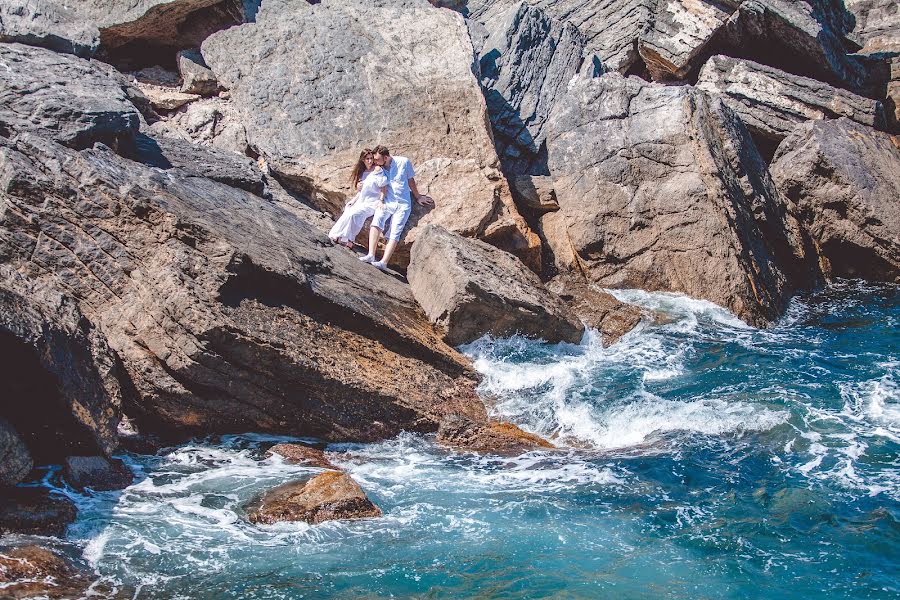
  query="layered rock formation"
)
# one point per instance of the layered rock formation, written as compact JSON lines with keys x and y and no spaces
{"x":229,"y":313}
{"x":663,"y":189}
{"x":846,"y":182}
{"x":771,"y":102}
{"x":469,"y":288}
{"x":311,"y":102}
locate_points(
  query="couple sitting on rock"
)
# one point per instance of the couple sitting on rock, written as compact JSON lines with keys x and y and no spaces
{"x":384,"y":183}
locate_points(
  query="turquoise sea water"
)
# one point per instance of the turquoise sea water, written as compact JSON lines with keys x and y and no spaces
{"x":703,"y":459}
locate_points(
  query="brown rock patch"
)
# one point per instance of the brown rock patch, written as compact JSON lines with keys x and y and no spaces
{"x":326,"y":497}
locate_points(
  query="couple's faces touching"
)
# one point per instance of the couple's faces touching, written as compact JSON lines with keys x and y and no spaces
{"x":380,"y":160}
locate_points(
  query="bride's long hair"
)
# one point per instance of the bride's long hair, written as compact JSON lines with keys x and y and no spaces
{"x":360,"y":168}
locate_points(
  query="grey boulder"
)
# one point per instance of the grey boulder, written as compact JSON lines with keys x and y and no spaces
{"x":845,"y":179}
{"x":469,"y":289}
{"x":196,"y":76}
{"x":15,"y":460}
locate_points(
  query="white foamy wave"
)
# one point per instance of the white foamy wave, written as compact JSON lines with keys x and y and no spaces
{"x":686,"y":311}
{"x":876,"y":400}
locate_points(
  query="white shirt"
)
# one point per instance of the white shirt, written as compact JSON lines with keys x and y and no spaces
{"x":399,"y":174}
{"x":372,"y":183}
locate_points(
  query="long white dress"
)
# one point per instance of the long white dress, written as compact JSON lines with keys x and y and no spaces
{"x":361,"y":207}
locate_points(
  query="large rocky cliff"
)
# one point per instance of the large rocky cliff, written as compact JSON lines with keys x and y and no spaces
{"x":168,"y":169}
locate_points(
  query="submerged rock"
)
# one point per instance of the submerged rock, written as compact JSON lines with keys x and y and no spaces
{"x":845,"y":179}
{"x":771,"y":102}
{"x":327,"y":497}
{"x":304,"y":455}
{"x":37,"y":572}
{"x":662,"y":188}
{"x":34,"y":511}
{"x":97,"y":473}
{"x":228,"y":312}
{"x":469,"y":288}
{"x":492,"y":437}
{"x":314,"y":84}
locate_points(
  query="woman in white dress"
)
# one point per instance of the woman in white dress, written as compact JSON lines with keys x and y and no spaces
{"x":371,"y":181}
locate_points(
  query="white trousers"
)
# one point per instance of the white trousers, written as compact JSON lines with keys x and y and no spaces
{"x":352,"y":220}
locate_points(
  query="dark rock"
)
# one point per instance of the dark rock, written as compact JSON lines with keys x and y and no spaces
{"x":304,"y":455}
{"x":526,"y":62}
{"x":327,"y":497}
{"x":662,"y":188}
{"x":845,"y":178}
{"x":457,"y":431}
{"x":38,"y":572}
{"x":60,"y":382}
{"x":73,"y":101}
{"x":876,"y":25}
{"x":469,"y":289}
{"x":596,"y":308}
{"x":771,"y":102}
{"x":34,"y":511}
{"x":15,"y":460}
{"x":97,"y":473}
{"x":226,"y":167}
{"x":229,"y":313}
{"x":313,"y":86}
{"x":673,"y":45}
{"x":196,"y":76}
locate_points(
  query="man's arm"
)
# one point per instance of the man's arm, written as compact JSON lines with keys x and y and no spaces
{"x":422,"y":199}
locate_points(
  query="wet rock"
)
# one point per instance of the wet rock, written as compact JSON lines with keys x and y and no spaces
{"x":97,"y":473}
{"x":74,"y":101}
{"x":596,"y":308}
{"x":845,"y":178}
{"x":60,"y":381}
{"x":876,"y":25}
{"x":223,"y":166}
{"x":304,"y":455}
{"x":15,"y":460}
{"x":327,"y":497}
{"x":38,"y":572}
{"x":229,"y":313}
{"x":314,"y":85}
{"x":34,"y":511}
{"x":673,"y":46}
{"x":771,"y":102}
{"x":526,"y":62}
{"x":662,"y":188}
{"x":493,"y":437}
{"x":469,"y":289}
{"x":196,"y":76}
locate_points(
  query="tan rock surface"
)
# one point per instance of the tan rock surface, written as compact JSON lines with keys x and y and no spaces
{"x":327,"y":497}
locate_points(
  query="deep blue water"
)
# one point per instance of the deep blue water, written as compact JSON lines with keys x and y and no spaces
{"x":703,"y":459}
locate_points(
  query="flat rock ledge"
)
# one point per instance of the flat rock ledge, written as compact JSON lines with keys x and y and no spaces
{"x":469,"y":288}
{"x":330,"y":496}
{"x":492,"y":437}
{"x":303,"y":455}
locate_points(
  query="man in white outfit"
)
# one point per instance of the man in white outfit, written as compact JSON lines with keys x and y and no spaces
{"x":397,"y":205}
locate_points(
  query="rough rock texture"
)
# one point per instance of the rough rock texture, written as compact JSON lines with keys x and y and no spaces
{"x":165,"y":98}
{"x":210,"y":122}
{"x":559,"y":254}
{"x":596,"y":308}
{"x":680,"y":31}
{"x":805,"y":38}
{"x":771,"y":102}
{"x":877,"y":24}
{"x":845,"y":179}
{"x":15,"y":460}
{"x":229,"y":313}
{"x":97,"y":473}
{"x":34,"y":511}
{"x":59,"y":380}
{"x":457,"y":431}
{"x":304,"y":455}
{"x":534,"y":194}
{"x":892,"y":99}
{"x":223,"y":166}
{"x":327,"y":497}
{"x":663,"y":189}
{"x":142,"y":31}
{"x":314,"y":84}
{"x":469,"y":289}
{"x":526,"y":62}
{"x":196,"y":76}
{"x":38,"y":572}
{"x":74,"y":101}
